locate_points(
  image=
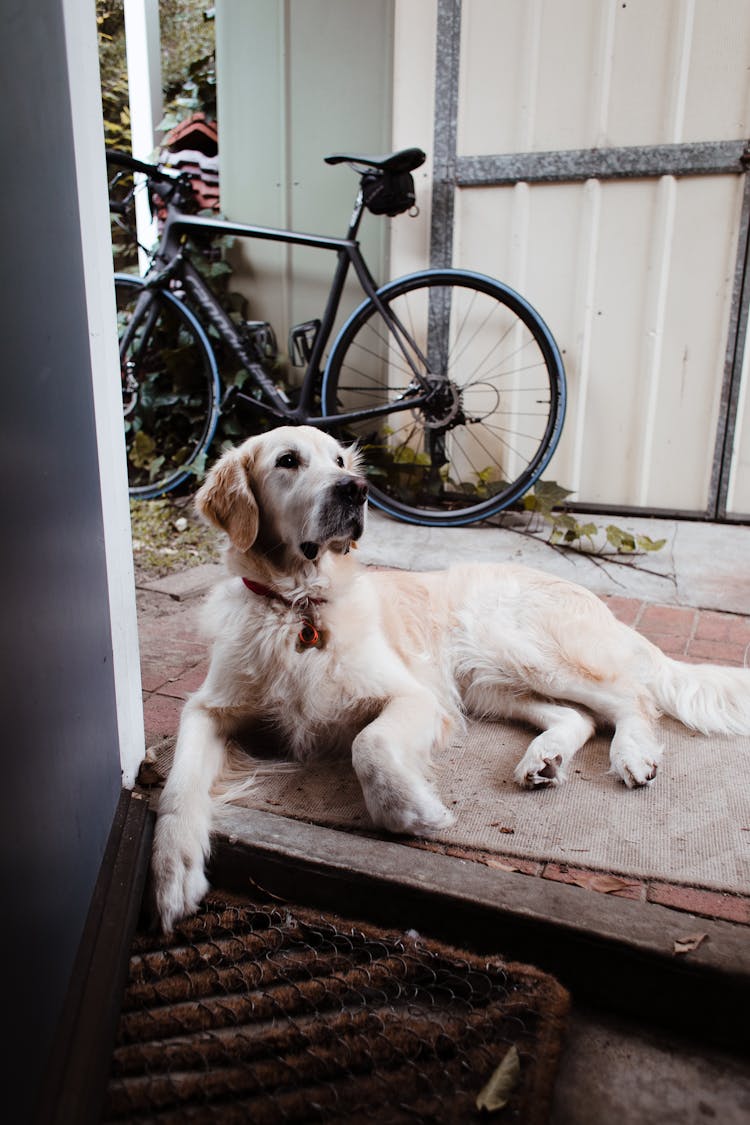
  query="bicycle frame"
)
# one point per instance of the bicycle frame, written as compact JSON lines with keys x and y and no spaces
{"x":170,"y":262}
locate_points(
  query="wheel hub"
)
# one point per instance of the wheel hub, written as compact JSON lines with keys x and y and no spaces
{"x":442,"y":409}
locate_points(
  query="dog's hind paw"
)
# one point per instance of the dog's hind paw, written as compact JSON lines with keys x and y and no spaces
{"x":635,"y":761}
{"x":636,"y":775}
{"x":539,"y":772}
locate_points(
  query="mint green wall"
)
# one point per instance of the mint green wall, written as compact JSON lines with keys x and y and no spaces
{"x":297,"y":80}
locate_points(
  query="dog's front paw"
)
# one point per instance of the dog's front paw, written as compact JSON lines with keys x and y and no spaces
{"x":412,"y":810}
{"x":423,"y":818}
{"x":635,"y":769}
{"x":415,"y":820}
{"x":180,"y":882}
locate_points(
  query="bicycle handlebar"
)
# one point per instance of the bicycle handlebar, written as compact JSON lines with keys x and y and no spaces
{"x":170,"y":186}
{"x":153,"y":171}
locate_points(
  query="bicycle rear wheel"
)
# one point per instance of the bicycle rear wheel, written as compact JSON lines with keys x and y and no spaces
{"x":496,"y":407}
{"x":170,"y":386}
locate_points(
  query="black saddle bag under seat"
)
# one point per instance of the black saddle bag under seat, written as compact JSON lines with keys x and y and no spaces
{"x":388,"y":193}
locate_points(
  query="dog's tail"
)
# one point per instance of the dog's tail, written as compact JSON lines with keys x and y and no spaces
{"x":708,"y":698}
{"x":240,"y":773}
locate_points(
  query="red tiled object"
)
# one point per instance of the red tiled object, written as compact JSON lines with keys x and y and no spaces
{"x":185,"y":684}
{"x":161,"y":715}
{"x":727,"y":627}
{"x":159,"y":669}
{"x":626,"y":610}
{"x":709,"y":904}
{"x":718,"y":652}
{"x":671,"y":643}
{"x":154,"y":674}
{"x":676,"y":620}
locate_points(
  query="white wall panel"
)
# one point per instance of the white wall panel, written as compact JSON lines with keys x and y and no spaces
{"x":414,"y":124}
{"x":566,"y":74}
{"x":634,"y":277}
{"x":635,"y":285}
{"x":717,"y":102}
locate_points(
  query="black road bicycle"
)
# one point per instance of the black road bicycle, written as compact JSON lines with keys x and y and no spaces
{"x":449,"y":381}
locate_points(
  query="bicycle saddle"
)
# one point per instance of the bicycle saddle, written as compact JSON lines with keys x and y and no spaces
{"x":406,"y":160}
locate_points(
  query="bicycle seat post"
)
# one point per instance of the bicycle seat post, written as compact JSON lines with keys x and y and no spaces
{"x":356,"y":219}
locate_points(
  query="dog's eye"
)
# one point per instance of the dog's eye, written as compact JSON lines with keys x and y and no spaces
{"x":287,"y":461}
{"x":340,"y":461}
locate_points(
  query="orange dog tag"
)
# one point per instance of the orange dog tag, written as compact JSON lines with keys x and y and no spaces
{"x":309,"y":637}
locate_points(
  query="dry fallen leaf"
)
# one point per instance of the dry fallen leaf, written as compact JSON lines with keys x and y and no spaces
{"x":497,"y":1092}
{"x":501,"y":864}
{"x":688,"y":943}
{"x":605,"y":884}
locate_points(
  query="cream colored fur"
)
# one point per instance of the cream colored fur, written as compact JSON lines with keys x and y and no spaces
{"x":405,"y":657}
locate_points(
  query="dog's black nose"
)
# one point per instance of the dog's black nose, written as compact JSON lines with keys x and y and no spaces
{"x":352,"y":490}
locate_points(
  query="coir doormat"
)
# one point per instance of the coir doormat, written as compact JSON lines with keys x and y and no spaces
{"x":271,"y":1013}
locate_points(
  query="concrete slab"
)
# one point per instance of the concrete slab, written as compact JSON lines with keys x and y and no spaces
{"x":703,"y":565}
{"x":185,"y":584}
{"x":612,"y":1070}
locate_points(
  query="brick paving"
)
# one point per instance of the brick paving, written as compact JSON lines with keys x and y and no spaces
{"x":174,"y":662}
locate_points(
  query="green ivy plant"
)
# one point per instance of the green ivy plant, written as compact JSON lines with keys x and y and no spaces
{"x":546,"y":499}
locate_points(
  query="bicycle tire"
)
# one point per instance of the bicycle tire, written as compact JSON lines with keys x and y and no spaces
{"x":171,"y":391}
{"x":498,"y":406}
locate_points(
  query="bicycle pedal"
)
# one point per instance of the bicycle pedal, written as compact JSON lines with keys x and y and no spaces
{"x":302,"y":341}
{"x":262,"y":336}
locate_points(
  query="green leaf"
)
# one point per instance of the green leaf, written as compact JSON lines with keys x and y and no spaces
{"x":566,"y":521}
{"x":621,"y":540}
{"x":142,"y":449}
{"x":485,"y":476}
{"x":155,"y":467}
{"x":647,"y":544}
{"x":198,"y":466}
{"x":404,"y":455}
{"x":549,"y":494}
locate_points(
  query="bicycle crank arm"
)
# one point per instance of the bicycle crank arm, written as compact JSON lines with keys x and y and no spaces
{"x":234,"y":395}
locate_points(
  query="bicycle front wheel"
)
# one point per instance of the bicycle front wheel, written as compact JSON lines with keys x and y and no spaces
{"x":170,"y":388}
{"x":495,"y":399}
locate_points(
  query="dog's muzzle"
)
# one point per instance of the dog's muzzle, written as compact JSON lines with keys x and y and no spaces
{"x":343,"y":516}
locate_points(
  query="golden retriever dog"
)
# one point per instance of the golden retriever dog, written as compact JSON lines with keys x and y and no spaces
{"x":384,"y":665}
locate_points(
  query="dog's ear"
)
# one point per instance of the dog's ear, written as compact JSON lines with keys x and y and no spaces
{"x":226,"y":499}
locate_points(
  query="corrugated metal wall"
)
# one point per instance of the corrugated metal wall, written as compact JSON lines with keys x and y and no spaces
{"x":554,"y":123}
{"x":591,"y":153}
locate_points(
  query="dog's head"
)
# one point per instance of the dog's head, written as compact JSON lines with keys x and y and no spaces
{"x":289,"y":494}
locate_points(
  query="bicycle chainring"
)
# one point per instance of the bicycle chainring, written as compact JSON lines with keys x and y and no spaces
{"x":443,"y":408}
